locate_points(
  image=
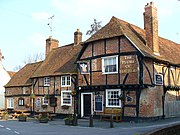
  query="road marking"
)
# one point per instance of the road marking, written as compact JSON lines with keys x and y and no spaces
{"x":16,"y":132}
{"x":1,"y":126}
{"x":8,"y":128}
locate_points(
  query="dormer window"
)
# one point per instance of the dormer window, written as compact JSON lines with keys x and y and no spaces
{"x":46,"y":81}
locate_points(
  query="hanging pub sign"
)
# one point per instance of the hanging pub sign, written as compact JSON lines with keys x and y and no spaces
{"x":53,"y":101}
{"x":98,"y":106}
{"x":158,"y":79}
{"x":84,"y":68}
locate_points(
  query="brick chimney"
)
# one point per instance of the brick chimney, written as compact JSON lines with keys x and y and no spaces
{"x":77,"y":37}
{"x":51,"y":44}
{"x":151,"y":27}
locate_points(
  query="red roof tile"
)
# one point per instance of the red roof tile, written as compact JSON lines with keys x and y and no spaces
{"x":136,"y":35}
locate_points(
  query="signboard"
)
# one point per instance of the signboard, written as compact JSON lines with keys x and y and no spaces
{"x":98,"y":105}
{"x":84,"y":68}
{"x":53,"y":101}
{"x":128,"y":64}
{"x":38,"y":103}
{"x":158,"y":79}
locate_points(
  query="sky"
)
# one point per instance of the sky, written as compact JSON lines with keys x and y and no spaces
{"x":24,"y":23}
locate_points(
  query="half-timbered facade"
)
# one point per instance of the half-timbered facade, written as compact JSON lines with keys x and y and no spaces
{"x":18,"y":89}
{"x":55,"y":80}
{"x":125,"y":67}
{"x":48,"y":85}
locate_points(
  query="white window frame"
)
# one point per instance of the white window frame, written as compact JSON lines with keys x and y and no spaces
{"x":45,"y":101}
{"x":107,"y":97}
{"x":10,"y":103}
{"x":103,"y":64}
{"x":66,"y":80}
{"x":62,"y":98}
{"x":47,"y":81}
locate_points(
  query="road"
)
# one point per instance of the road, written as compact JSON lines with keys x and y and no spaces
{"x":57,"y":127}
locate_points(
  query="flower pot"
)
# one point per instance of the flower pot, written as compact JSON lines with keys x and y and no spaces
{"x":69,"y":122}
{"x":43,"y":120}
{"x":22,"y":118}
{"x":65,"y":107}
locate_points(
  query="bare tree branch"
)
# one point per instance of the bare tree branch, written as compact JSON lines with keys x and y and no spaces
{"x":94,"y":27}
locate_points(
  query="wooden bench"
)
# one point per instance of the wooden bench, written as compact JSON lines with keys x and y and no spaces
{"x":20,"y":112}
{"x":51,"y":116}
{"x":111,"y":112}
{"x":27,"y":114}
{"x":15,"y":115}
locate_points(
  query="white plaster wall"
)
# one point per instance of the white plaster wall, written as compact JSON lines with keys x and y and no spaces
{"x":4,"y":78}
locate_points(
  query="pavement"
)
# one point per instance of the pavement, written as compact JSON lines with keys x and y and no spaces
{"x":106,"y":124}
{"x":146,"y":126}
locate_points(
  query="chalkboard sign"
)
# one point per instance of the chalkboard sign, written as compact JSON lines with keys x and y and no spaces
{"x":38,"y":103}
{"x":158,"y":79}
{"x":98,"y":103}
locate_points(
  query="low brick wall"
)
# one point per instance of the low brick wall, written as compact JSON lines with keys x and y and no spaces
{"x":170,"y":130}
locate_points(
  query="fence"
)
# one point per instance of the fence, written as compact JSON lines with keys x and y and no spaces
{"x":172,"y":108}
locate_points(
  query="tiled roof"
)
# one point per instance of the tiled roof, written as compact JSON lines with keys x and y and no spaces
{"x":169,"y":51}
{"x":59,"y":61}
{"x":22,"y":77}
{"x":11,"y":73}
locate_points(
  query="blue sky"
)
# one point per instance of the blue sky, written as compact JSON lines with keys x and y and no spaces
{"x":24,"y":29}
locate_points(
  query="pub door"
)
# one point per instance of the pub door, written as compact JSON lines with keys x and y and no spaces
{"x":86,"y":104}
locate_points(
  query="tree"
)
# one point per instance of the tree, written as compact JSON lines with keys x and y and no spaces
{"x":31,"y":59}
{"x":34,"y":58}
{"x":94,"y":27}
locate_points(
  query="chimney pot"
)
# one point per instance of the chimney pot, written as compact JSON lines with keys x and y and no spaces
{"x":77,"y":37}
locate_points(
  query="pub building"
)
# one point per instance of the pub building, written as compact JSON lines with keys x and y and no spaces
{"x":129,"y":69}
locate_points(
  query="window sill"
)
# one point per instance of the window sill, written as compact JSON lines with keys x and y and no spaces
{"x":109,"y":73}
{"x":65,"y":85}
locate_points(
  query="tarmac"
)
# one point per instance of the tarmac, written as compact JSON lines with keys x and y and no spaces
{"x":84,"y":126}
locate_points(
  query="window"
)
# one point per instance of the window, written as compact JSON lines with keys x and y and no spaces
{"x":46,"y":81}
{"x":21,"y":101}
{"x":112,"y":98}
{"x":10,"y":103}
{"x":65,"y":81}
{"x":66,"y":98}
{"x":44,"y":101}
{"x":110,"y":65}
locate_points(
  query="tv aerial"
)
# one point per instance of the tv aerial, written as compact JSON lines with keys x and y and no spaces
{"x":50,"y":24}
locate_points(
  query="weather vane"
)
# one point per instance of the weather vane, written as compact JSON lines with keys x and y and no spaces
{"x":50,"y":24}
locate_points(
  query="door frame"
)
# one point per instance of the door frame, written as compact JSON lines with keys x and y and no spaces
{"x":82,"y":102}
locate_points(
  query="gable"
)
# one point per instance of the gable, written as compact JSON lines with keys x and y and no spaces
{"x":116,"y":28}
